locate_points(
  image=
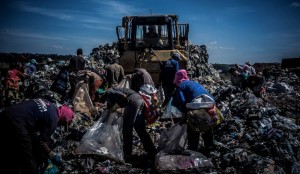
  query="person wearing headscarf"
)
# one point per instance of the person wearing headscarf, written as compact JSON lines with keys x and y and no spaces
{"x":26,"y":129}
{"x":186,"y":91}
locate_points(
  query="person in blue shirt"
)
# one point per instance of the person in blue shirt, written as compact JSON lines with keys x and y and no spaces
{"x":186,"y":91}
{"x":167,"y":75}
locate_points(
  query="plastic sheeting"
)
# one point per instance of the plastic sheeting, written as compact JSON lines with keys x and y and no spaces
{"x":171,"y":111}
{"x":173,"y":140}
{"x":104,"y":137}
{"x":82,"y":101}
{"x":172,"y":155}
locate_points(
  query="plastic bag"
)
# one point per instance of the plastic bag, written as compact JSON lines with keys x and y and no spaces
{"x":104,"y":137}
{"x":173,"y":140}
{"x":191,"y":161}
{"x":200,"y":120}
{"x":202,"y":101}
{"x":82,"y":101}
{"x":125,"y":83}
{"x":60,"y":84}
{"x":171,"y":111}
{"x":160,"y":95}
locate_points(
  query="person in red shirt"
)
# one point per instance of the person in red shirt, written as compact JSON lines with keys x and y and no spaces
{"x":12,"y":79}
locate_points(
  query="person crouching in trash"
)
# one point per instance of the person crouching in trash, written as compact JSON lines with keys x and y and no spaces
{"x":186,"y":91}
{"x":133,"y":117}
{"x":26,"y":128}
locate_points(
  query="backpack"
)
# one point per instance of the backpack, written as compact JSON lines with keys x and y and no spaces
{"x":149,"y":94}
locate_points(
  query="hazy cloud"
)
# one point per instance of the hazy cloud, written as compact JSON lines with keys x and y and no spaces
{"x":213,"y":42}
{"x":114,"y":9}
{"x":47,"y":12}
{"x":17,"y":33}
{"x":226,"y":48}
{"x":239,"y":10}
{"x":295,"y":4}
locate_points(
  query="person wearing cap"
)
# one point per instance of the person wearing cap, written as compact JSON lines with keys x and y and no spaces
{"x":186,"y":91}
{"x":26,"y":129}
{"x":133,"y":117}
{"x":167,"y":75}
{"x":114,"y":72}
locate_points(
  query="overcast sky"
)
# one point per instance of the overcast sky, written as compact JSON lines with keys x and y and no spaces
{"x":233,"y":31}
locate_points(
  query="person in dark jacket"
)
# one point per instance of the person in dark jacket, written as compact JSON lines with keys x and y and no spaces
{"x":26,"y":128}
{"x":133,"y":105}
{"x":76,"y":64}
{"x":167,"y":75}
{"x":186,"y":91}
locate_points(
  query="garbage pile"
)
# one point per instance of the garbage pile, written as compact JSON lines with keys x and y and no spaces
{"x":258,"y":135}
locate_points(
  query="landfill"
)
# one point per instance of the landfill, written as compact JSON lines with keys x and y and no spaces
{"x":257,"y":135}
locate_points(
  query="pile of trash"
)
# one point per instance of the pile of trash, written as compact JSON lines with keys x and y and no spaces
{"x":258,"y":135}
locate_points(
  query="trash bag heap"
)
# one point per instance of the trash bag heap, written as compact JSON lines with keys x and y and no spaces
{"x":257,"y":135}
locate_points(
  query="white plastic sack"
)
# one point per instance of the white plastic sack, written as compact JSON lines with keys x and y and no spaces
{"x":202,"y":101}
{"x":104,"y":137}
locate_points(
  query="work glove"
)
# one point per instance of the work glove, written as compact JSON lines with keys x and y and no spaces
{"x":55,"y":158}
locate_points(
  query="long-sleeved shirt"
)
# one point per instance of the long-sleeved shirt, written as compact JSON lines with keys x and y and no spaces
{"x":186,"y":91}
{"x":119,"y":96}
{"x":168,"y":70}
{"x":31,"y":118}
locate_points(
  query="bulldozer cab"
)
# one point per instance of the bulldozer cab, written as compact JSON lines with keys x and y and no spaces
{"x":147,"y":41}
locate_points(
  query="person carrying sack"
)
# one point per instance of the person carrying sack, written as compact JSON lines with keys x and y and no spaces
{"x":133,"y":115}
{"x":186,"y":92}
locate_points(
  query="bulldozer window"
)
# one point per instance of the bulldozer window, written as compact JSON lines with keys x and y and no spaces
{"x":152,"y":36}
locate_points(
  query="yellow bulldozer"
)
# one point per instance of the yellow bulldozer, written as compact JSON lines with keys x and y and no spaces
{"x":148,"y":41}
